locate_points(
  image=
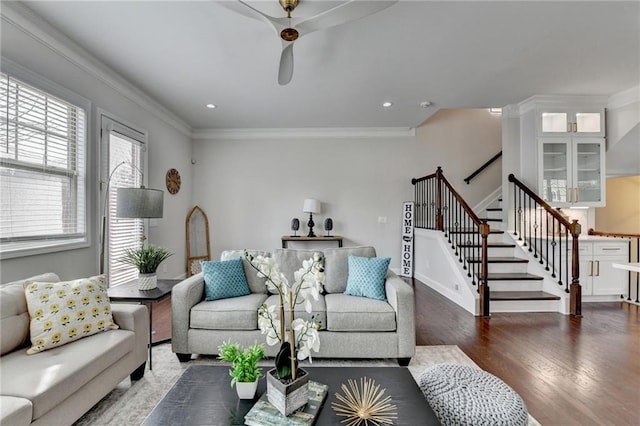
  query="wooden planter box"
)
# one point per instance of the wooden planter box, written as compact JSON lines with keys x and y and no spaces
{"x":288,"y":398}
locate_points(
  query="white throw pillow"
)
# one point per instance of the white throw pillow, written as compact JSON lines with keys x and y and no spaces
{"x":64,"y":311}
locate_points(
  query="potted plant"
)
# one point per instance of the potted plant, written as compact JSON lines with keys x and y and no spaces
{"x":287,"y":384}
{"x":244,"y":366}
{"x":146,"y":260}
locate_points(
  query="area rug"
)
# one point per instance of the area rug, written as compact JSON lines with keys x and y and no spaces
{"x":130,"y":403}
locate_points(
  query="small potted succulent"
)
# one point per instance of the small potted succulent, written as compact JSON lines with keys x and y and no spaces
{"x":146,"y":260}
{"x":244,"y":366}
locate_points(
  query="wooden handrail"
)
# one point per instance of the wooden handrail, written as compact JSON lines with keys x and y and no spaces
{"x":573,"y":228}
{"x":436,"y":186}
{"x":481,"y":168}
{"x":462,"y":202}
{"x":612,"y":234}
{"x":553,"y":212}
{"x":431,"y":176}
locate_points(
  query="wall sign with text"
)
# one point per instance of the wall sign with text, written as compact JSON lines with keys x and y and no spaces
{"x":406,"y":258}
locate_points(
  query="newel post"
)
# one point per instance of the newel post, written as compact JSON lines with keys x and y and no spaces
{"x":484,"y":271}
{"x":439,"y":217}
{"x":575,"y":289}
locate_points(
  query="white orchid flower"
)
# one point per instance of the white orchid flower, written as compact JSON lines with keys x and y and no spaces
{"x":307,"y":285}
{"x":269,"y":323}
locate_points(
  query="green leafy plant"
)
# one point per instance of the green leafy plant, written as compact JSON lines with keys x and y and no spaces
{"x":146,"y":259}
{"x":244,"y":362}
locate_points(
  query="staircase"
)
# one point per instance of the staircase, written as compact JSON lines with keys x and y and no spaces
{"x":515,"y":284}
{"x":485,"y":269}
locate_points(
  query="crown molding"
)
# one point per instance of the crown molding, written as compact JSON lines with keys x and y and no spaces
{"x":560,"y":101}
{"x":624,"y":98}
{"x":31,"y":24}
{"x":303,"y":133}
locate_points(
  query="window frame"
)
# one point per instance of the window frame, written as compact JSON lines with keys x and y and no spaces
{"x":44,"y":246}
{"x":107,"y":123}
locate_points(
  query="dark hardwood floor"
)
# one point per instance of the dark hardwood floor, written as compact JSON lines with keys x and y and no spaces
{"x":570,"y":371}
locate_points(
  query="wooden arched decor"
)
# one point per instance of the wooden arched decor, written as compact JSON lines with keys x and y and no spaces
{"x":198,"y":248}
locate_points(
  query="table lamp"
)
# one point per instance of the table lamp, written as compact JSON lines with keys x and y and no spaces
{"x":311,"y":206}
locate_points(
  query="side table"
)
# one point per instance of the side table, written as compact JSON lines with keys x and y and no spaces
{"x":128,"y":292}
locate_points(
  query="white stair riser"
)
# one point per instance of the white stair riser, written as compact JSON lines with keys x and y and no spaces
{"x":493,"y":214}
{"x":496,"y":225}
{"x":524,"y":306}
{"x":507,"y":267}
{"x":494,"y":238}
{"x":520,"y":285}
{"x":501,"y":251}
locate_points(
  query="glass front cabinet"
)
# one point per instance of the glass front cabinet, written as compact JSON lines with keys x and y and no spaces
{"x":572,"y":171}
{"x":578,"y":121}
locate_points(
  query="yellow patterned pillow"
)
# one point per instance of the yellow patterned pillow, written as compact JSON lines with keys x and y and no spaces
{"x":64,"y":311}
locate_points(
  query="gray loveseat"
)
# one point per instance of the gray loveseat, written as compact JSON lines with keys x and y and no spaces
{"x":351,"y":326}
{"x":57,"y":386}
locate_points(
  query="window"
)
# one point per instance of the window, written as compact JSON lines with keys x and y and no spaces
{"x":124,"y":152}
{"x":42,"y":169}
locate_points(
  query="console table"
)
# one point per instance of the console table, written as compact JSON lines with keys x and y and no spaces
{"x":287,"y":238}
{"x":128,"y":292}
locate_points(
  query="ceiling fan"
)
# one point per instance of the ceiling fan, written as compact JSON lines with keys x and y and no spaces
{"x":341,"y":14}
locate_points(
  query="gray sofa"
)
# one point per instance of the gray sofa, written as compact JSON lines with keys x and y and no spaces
{"x":351,"y":326}
{"x":57,"y":386}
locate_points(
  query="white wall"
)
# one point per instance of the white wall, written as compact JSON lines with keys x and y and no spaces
{"x":251,"y":188}
{"x":40,"y":49}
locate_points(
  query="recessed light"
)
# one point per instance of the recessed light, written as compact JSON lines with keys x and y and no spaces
{"x":387,"y":104}
{"x":495,"y":110}
{"x":211,"y":106}
{"x":425,"y":104}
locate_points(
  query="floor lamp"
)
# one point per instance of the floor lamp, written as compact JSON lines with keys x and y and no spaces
{"x":134,"y":203}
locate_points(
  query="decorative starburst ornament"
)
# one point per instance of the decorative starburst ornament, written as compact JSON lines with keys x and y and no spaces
{"x":364,"y":404}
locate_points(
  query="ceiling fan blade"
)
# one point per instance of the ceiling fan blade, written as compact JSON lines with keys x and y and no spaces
{"x":285,"y":73}
{"x":346,"y":12}
{"x":249,"y":11}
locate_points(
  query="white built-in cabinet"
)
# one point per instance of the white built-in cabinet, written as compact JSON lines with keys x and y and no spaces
{"x":580,"y":121}
{"x":598,"y":277}
{"x":571,"y":171}
{"x":563,"y":149}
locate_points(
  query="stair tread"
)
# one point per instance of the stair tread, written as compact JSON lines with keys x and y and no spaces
{"x":522,"y":295}
{"x":498,"y":259}
{"x":512,"y":276}
{"x":494,"y":245}
{"x":494,"y":209}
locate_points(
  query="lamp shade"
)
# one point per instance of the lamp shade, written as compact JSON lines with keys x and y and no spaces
{"x":139,"y":203}
{"x":311,"y":206}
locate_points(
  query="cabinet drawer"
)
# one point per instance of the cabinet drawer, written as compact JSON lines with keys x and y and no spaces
{"x":611,"y":249}
{"x":583,"y":248}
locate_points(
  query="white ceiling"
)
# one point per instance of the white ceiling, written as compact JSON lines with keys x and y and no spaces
{"x":186,"y":54}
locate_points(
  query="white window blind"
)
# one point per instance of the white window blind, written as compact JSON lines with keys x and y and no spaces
{"x":42,"y":166}
{"x":126,"y":158}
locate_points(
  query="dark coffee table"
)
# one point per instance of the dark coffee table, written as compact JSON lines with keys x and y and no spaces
{"x":203,"y":396}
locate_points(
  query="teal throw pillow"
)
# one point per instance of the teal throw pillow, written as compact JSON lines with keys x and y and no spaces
{"x":224,"y":279}
{"x":367,"y":276}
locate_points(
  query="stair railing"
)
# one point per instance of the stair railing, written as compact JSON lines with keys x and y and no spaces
{"x":481,"y":168}
{"x":634,"y":257}
{"x":440,"y":207}
{"x":546,"y":233}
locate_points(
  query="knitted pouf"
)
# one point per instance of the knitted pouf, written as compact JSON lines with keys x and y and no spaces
{"x":464,"y":395}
